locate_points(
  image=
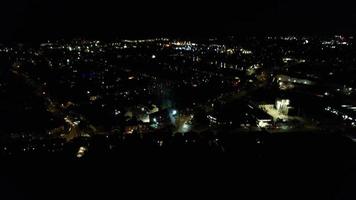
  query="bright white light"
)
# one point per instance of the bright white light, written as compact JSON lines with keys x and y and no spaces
{"x":262,"y":124}
{"x":153,"y":56}
{"x":117,"y":112}
{"x":174,"y":112}
{"x":81,"y":152}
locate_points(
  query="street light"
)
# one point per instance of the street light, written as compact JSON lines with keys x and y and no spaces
{"x":174,"y":112}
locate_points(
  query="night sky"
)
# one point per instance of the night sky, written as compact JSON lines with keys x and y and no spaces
{"x":30,"y":20}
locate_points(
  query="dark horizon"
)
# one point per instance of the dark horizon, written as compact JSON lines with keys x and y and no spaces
{"x":38,"y":20}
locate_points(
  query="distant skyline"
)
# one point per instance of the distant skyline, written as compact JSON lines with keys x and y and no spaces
{"x":33,"y":20}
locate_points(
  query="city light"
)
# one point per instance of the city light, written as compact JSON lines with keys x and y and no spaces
{"x":156,"y":89}
{"x":81,"y":152}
